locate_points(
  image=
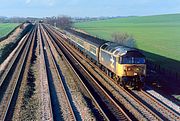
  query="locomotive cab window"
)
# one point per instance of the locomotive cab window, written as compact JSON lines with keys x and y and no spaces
{"x":139,"y":60}
{"x":132,"y":57}
{"x":132,"y":60}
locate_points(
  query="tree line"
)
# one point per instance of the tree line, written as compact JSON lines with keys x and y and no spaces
{"x":63,"y":22}
{"x":17,"y":19}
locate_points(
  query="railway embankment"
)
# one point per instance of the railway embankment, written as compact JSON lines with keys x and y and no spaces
{"x":8,"y":44}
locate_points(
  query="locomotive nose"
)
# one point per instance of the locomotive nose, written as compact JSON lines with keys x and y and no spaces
{"x":134,"y":70}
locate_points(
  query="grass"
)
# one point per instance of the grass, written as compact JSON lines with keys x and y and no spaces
{"x":158,"y":34}
{"x":5,"y":49}
{"x":5,"y":28}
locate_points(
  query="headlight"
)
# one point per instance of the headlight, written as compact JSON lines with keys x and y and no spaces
{"x":129,"y":68}
{"x":124,"y":68}
{"x":137,"y":69}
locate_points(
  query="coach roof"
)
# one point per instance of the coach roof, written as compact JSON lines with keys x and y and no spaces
{"x":90,"y":39}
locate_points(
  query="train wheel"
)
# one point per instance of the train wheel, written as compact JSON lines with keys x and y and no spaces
{"x":123,"y":83}
{"x":107,"y":71}
{"x":140,"y":85}
{"x":110,"y":74}
{"x":137,"y":84}
{"x":119,"y":80}
{"x":115,"y":78}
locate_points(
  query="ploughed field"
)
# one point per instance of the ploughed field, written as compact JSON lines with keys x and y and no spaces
{"x":158,"y":35}
{"x":5,"y":28}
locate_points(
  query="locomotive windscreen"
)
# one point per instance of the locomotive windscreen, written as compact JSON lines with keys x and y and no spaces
{"x":132,"y":57}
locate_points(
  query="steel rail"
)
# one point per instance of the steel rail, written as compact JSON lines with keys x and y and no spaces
{"x":45,"y":96}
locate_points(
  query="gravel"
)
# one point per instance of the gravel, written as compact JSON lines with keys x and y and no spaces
{"x":164,"y":100}
{"x":83,"y":111}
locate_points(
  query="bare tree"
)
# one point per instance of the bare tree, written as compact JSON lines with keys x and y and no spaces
{"x":62,"y":22}
{"x":123,"y":39}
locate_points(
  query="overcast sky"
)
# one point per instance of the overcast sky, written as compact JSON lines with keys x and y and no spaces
{"x":87,"y":8}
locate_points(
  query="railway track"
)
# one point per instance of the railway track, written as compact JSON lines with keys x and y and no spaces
{"x":143,"y":109}
{"x":115,"y":109}
{"x":79,"y":82}
{"x":162,"y":112}
{"x":56,"y":77}
{"x":12,"y":59}
{"x":46,"y":107}
{"x":11,"y":78}
{"x":165,"y":111}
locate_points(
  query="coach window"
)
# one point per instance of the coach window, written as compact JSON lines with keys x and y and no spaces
{"x":93,"y":49}
{"x":81,"y":42}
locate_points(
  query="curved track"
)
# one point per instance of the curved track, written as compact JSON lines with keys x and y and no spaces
{"x":115,"y":109}
{"x":157,"y":106}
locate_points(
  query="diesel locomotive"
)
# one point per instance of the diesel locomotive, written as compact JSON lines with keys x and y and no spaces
{"x":125,"y":65}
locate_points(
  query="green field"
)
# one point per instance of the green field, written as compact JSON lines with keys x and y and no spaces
{"x":158,"y":34}
{"x":5,"y":28}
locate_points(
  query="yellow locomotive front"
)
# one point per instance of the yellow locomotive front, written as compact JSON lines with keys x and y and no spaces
{"x":132,"y":69}
{"x":128,"y":65}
